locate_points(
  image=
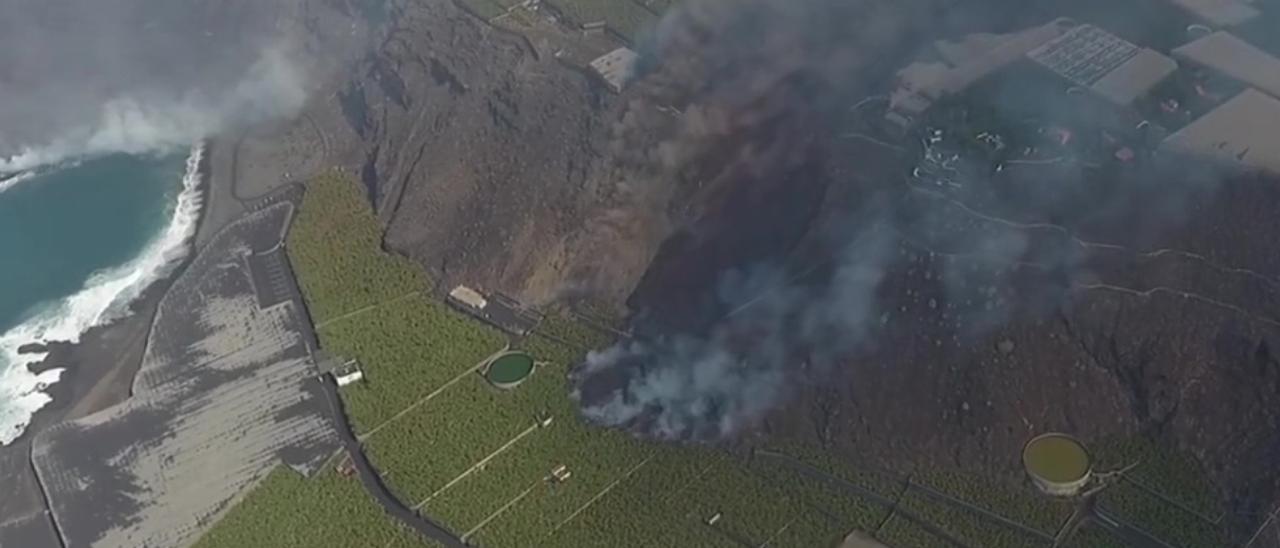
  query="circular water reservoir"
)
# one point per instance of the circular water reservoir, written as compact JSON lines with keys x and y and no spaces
{"x":510,"y":369}
{"x":1057,"y":463}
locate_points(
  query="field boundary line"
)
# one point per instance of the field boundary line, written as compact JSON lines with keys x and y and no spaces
{"x":1264,"y":526}
{"x":478,"y":464}
{"x":499,"y":511}
{"x":1170,"y":500}
{"x":360,"y":311}
{"x":602,"y":493}
{"x":966,"y":506}
{"x":780,"y":531}
{"x":434,"y":393}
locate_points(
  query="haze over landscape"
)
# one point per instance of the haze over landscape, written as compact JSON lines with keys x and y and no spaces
{"x":808,"y":273}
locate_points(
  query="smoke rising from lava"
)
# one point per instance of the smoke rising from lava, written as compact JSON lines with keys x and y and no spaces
{"x":742,"y":69}
{"x":713,"y":385}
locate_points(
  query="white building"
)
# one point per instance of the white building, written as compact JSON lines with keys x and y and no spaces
{"x":469,"y":297}
{"x":616,"y":67}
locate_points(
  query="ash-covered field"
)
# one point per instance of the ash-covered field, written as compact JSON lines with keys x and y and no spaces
{"x":227,"y":390}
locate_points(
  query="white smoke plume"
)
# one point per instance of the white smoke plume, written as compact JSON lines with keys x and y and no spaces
{"x":87,"y":77}
{"x":761,"y":74}
{"x":701,"y":387}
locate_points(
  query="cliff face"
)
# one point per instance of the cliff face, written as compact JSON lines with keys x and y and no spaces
{"x":489,"y":161}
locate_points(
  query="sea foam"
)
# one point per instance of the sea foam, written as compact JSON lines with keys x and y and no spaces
{"x":13,"y":180}
{"x":106,"y":296}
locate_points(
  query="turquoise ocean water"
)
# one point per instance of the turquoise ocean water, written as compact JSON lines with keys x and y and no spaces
{"x":78,"y":242}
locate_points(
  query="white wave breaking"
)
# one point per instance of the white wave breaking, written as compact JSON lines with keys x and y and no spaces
{"x":13,"y":180}
{"x":105,"y":297}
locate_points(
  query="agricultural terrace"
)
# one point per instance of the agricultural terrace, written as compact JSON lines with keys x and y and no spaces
{"x":375,"y":307}
{"x":289,"y":511}
{"x":335,"y":246}
{"x":482,"y":461}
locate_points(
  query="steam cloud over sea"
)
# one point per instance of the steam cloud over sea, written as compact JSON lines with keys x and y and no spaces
{"x":87,"y":77}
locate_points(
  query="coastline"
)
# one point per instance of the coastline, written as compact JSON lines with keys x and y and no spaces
{"x":98,"y":370}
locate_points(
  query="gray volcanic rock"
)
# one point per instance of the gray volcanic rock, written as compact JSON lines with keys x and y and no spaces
{"x":32,"y":348}
{"x":493,"y":163}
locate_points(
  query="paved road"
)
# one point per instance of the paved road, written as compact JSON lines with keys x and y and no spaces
{"x":368,"y":474}
{"x":373,"y":482}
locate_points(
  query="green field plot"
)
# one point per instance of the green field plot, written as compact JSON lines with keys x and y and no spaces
{"x":808,"y":530}
{"x":1166,"y":494}
{"x":335,"y":247}
{"x":841,"y":506}
{"x":371,"y":306}
{"x":1172,"y":474}
{"x":435,"y":442}
{"x":881,"y":483}
{"x":408,"y":349}
{"x":596,"y":459}
{"x":547,"y":350}
{"x":644,"y":510}
{"x":483,"y":491}
{"x":288,"y":511}
{"x":1161,"y":519}
{"x":1015,"y":502}
{"x":1093,"y":536}
{"x":964,"y":525}
{"x":750,"y":509}
{"x":900,"y":532}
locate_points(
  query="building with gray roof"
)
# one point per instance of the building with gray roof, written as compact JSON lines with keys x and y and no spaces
{"x":1104,"y":63}
{"x":1234,"y":58}
{"x":1219,"y":13}
{"x":1240,"y":133}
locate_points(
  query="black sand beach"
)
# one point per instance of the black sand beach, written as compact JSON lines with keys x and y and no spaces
{"x":98,"y":372}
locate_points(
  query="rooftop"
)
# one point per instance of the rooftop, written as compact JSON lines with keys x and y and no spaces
{"x":1105,"y":63}
{"x":616,"y":67}
{"x":468,"y":296}
{"x":1135,"y":77}
{"x":1219,"y":13}
{"x":1084,"y":54}
{"x":968,"y":61}
{"x":1241,"y":132}
{"x":1233,"y":57}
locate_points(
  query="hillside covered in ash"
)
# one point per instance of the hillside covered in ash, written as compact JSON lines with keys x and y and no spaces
{"x":790,"y":266}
